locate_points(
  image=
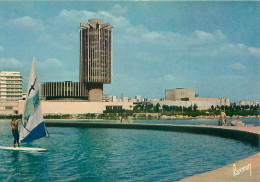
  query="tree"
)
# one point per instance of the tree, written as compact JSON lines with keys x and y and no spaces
{"x":137,"y":107}
{"x":189,"y":108}
{"x":157,"y":107}
{"x":195,"y":107}
{"x":222,"y":107}
{"x":226,"y":107}
{"x":166,"y":108}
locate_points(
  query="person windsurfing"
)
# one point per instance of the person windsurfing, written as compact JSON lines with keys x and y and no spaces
{"x":14,"y":125}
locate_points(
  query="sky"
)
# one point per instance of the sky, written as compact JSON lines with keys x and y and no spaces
{"x":211,"y":47}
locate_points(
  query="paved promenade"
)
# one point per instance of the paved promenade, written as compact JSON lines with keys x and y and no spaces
{"x":226,"y":173}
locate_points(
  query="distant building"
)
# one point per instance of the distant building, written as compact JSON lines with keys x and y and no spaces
{"x":255,"y":103}
{"x":138,"y":98}
{"x":11,"y":86}
{"x":95,"y":57}
{"x":180,"y":94}
{"x":124,"y":99}
{"x":247,"y":103}
{"x":106,"y":98}
{"x":113,"y":98}
{"x":187,"y":97}
{"x":63,"y":91}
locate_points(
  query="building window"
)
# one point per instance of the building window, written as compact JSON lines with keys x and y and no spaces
{"x":8,"y":107}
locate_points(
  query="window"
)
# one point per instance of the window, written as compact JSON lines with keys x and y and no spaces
{"x":8,"y":107}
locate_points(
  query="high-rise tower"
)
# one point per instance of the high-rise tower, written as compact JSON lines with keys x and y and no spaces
{"x":95,"y":57}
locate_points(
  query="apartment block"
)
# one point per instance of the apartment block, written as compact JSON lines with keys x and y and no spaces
{"x":11,"y":85}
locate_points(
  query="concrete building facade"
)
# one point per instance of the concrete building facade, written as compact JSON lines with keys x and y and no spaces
{"x":180,"y":94}
{"x":9,"y":107}
{"x":95,"y":57}
{"x":76,"y":107}
{"x":63,"y":90}
{"x":187,"y":97}
{"x":11,"y":86}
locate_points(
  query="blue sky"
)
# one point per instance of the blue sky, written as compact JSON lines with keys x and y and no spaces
{"x":212,"y":47}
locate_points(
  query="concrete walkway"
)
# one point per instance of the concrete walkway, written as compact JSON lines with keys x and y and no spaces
{"x":226,"y":173}
{"x":250,"y":129}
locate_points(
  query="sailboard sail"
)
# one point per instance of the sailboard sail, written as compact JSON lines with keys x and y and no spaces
{"x":33,"y":126}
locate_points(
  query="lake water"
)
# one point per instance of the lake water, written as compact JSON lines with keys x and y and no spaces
{"x":89,"y":154}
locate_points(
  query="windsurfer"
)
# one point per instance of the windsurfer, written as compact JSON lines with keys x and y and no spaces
{"x":14,"y":125}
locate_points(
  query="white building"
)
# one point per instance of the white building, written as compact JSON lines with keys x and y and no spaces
{"x":113,"y":98}
{"x":245,"y":103}
{"x":187,"y":97}
{"x":138,"y":98}
{"x":11,"y":86}
{"x":76,"y":107}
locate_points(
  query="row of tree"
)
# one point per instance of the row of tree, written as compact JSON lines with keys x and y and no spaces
{"x":231,"y":110}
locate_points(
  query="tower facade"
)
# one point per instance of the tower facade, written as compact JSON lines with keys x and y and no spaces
{"x":95,"y":57}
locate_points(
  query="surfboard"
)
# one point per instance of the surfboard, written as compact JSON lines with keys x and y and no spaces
{"x":23,"y":148}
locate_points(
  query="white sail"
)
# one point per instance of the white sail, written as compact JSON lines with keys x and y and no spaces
{"x":33,"y":126}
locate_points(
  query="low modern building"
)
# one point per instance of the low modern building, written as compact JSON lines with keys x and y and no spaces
{"x":11,"y":86}
{"x":180,"y":94}
{"x":77,"y":106}
{"x":63,"y":90}
{"x":9,"y":107}
{"x":187,"y":97}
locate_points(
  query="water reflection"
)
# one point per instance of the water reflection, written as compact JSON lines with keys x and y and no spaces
{"x":24,"y":166}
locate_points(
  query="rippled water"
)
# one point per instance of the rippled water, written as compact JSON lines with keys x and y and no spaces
{"x":89,"y":154}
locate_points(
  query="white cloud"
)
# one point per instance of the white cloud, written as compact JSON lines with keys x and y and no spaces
{"x":26,"y":22}
{"x":254,"y":51}
{"x":231,"y":77}
{"x":137,"y":41}
{"x":53,"y":69}
{"x":10,"y":64}
{"x":66,"y":41}
{"x":153,"y":36}
{"x":237,"y":66}
{"x":117,"y":9}
{"x":169,"y":77}
{"x":177,"y":41}
{"x":50,"y":64}
{"x":203,"y":36}
{"x":196,"y":44}
{"x":74,"y":17}
{"x":220,"y":35}
{"x":58,"y":75}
